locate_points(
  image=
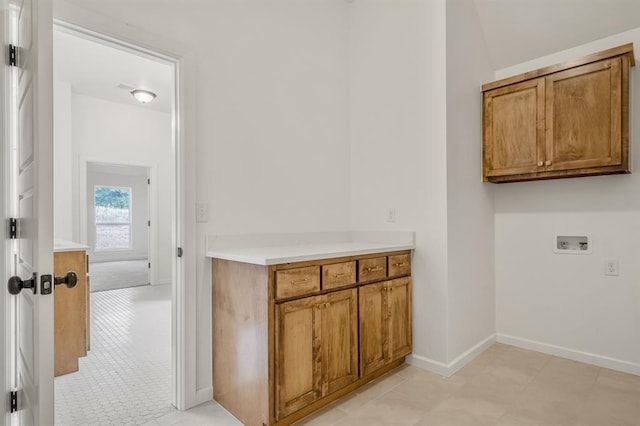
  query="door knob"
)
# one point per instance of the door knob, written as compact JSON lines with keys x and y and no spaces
{"x":70,"y":279}
{"x":16,"y":284}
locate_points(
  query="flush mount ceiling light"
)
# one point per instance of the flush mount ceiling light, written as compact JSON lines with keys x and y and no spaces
{"x":143,"y":96}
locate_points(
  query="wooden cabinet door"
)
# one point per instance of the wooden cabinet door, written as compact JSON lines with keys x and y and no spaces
{"x":514,"y":137}
{"x":584,"y":116}
{"x":398,"y":298}
{"x":339,"y":340}
{"x":298,"y":369}
{"x":374,"y":333}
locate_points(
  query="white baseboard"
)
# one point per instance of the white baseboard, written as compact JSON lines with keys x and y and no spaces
{"x":204,"y":395}
{"x":589,"y":358}
{"x":450,"y":369}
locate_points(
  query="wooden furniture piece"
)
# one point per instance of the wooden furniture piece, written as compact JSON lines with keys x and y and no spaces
{"x":291,"y":338}
{"x":566,"y":120}
{"x":70,"y":312}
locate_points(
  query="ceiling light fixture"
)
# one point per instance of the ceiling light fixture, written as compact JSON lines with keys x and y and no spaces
{"x":143,"y":96}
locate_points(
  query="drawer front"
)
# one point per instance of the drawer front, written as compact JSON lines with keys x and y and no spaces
{"x":297,"y":282}
{"x":399,"y":265}
{"x":372,"y":269}
{"x":338,"y":275}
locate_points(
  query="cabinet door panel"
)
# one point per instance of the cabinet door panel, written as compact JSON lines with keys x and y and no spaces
{"x":514,"y":129}
{"x":373,"y":331}
{"x":340,"y":340}
{"x":399,"y":308}
{"x":584,"y":107}
{"x":298,"y":349}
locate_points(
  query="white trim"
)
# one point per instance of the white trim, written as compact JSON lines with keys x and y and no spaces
{"x":448,"y":370}
{"x":576,"y":355}
{"x":204,"y":395}
{"x":182,"y":58}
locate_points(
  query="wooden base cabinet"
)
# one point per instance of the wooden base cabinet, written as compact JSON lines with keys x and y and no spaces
{"x":291,"y":338}
{"x":317,"y":348}
{"x":385,"y":323}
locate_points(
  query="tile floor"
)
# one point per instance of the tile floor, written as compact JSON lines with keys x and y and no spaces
{"x":505,"y":385}
{"x":126,"y":377}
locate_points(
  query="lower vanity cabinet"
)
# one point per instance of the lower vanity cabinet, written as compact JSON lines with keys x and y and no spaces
{"x":316,"y":348}
{"x":385,"y":323}
{"x":290,"y":338}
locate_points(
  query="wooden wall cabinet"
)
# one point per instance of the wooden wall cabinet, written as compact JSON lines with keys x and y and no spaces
{"x":566,"y":120}
{"x":288,"y":339}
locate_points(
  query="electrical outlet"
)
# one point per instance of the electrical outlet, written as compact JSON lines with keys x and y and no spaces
{"x":391,"y":215}
{"x":611,"y":267}
{"x":202,"y":213}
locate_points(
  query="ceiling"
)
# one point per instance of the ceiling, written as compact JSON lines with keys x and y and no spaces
{"x":517,"y":31}
{"x":95,"y":69}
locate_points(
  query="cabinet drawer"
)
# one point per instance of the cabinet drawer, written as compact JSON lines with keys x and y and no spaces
{"x":338,"y":275}
{"x":399,"y":265}
{"x":372,"y":269}
{"x":297,"y":282}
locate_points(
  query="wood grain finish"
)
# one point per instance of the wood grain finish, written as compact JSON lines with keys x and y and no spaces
{"x":297,"y":282}
{"x":574,"y":123}
{"x":338,"y":275}
{"x":70,"y":313}
{"x":385,"y":323}
{"x":240,"y":340}
{"x":372,"y":269}
{"x":278,"y":357}
{"x":399,"y":265}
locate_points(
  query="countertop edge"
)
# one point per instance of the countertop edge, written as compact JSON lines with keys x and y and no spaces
{"x":320,"y":255}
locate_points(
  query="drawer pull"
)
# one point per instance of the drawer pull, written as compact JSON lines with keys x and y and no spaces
{"x":397,"y":265}
{"x":306,"y":280}
{"x":376,"y":269}
{"x":346,"y":274}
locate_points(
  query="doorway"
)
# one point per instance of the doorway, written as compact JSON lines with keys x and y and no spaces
{"x":107,"y":147}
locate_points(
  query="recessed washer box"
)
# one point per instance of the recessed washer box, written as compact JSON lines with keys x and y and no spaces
{"x":572,"y":244}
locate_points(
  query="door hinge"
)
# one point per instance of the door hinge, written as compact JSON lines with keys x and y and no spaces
{"x":148,"y":181}
{"x":179,"y":251}
{"x":149,"y":265}
{"x":13,"y":228}
{"x":148,"y":223}
{"x":13,"y":401}
{"x":12,"y":56}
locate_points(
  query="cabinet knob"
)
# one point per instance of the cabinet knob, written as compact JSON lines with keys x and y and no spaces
{"x":540,"y":163}
{"x":547,"y":163}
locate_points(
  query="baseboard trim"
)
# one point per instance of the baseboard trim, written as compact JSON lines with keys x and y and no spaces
{"x":563,"y":352}
{"x":451,"y":368}
{"x":204,"y":395}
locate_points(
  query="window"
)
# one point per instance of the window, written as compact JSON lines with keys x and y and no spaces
{"x":113,"y":218}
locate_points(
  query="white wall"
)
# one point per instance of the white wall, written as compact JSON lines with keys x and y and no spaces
{"x":64,"y":215}
{"x":139,"y":231}
{"x":564,"y":303}
{"x":397,"y":88}
{"x":470,"y":212}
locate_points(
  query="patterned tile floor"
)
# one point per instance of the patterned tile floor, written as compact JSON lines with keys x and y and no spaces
{"x":126,"y":377}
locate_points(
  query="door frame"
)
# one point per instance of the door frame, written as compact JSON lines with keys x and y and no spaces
{"x":82,"y":23}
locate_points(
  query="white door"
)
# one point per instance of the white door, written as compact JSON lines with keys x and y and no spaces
{"x":30,"y":201}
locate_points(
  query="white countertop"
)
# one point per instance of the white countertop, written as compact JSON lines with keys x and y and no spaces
{"x":286,"y":248}
{"x":60,"y":245}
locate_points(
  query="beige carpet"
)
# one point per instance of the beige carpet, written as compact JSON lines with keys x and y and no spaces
{"x":114,"y":275}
